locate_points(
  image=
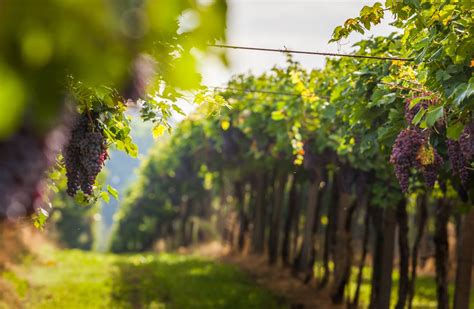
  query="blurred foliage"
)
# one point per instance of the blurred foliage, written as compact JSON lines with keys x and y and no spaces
{"x":72,"y":221}
{"x":41,"y":43}
{"x":72,"y":224}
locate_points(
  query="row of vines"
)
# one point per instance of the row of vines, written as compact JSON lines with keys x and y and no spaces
{"x":363,"y":158}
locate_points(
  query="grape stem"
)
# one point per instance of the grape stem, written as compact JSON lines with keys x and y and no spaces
{"x":408,"y":88}
{"x":90,"y":117}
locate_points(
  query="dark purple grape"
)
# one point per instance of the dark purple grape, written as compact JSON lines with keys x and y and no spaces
{"x":404,"y":154}
{"x":466,"y":141}
{"x":84,"y":155}
{"x":458,"y":161}
{"x":430,"y":171}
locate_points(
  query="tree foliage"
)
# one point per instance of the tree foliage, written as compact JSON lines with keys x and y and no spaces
{"x":99,"y":57}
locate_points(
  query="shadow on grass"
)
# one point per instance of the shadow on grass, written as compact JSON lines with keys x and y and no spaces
{"x":150,"y":281}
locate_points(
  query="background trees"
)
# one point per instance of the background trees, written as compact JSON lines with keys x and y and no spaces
{"x":303,"y":153}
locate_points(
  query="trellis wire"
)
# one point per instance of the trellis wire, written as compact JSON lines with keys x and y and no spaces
{"x":309,"y":52}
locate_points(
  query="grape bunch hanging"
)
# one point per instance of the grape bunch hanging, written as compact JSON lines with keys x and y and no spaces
{"x":460,"y":152}
{"x":413,"y":151}
{"x":84,"y":155}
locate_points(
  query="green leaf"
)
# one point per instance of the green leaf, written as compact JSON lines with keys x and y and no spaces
{"x":442,"y":75}
{"x":433,"y":114}
{"x":454,"y":130}
{"x":418,"y":116}
{"x":105,"y":196}
{"x":131,"y":149}
{"x":40,"y":218}
{"x":337,"y":34}
{"x":113,"y":192}
{"x":417,"y":100}
{"x":278,"y":115}
{"x":178,"y":110}
{"x":463,"y":91}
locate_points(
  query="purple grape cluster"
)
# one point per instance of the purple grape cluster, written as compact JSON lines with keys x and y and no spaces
{"x":404,"y":154}
{"x":458,"y":161}
{"x":466,"y":141}
{"x":84,"y":155}
{"x":430,"y":171}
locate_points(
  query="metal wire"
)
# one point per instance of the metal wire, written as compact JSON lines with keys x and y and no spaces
{"x":309,"y":52}
{"x":262,"y":91}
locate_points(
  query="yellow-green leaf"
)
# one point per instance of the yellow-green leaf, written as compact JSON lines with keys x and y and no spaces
{"x":112,"y":192}
{"x":105,"y":196}
{"x":158,"y":130}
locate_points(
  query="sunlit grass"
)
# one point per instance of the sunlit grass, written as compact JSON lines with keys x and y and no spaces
{"x":425,"y":288}
{"x":76,"y":279}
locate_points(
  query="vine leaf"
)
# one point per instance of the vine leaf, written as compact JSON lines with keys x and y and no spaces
{"x":158,"y":130}
{"x":40,"y":218}
{"x":454,"y":130}
{"x":105,"y":196}
{"x":463,"y":91}
{"x":112,"y":191}
{"x":433,"y":115}
{"x":418,"y":116}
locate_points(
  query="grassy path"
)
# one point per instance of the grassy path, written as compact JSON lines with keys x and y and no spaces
{"x":75,"y":279}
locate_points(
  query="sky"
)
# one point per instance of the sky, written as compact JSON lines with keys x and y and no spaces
{"x":294,"y":24}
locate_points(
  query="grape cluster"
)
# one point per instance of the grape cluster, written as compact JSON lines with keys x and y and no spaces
{"x":411,"y":150}
{"x":430,"y":171}
{"x":84,"y":155}
{"x":404,"y":154}
{"x":466,"y":141}
{"x":458,"y":161}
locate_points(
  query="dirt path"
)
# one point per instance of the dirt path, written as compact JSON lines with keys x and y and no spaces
{"x":276,"y":279}
{"x":280,"y":282}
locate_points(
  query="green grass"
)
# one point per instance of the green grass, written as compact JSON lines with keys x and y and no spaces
{"x":425,"y":288}
{"x":76,"y":279}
